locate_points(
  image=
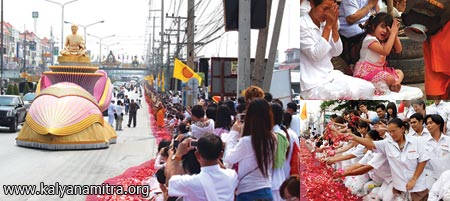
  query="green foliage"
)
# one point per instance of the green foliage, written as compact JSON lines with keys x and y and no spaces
{"x":26,"y":89}
{"x":15,"y":90}
{"x":9,"y":91}
{"x":349,"y":104}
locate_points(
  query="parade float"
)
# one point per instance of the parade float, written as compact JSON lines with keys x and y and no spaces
{"x":70,"y":99}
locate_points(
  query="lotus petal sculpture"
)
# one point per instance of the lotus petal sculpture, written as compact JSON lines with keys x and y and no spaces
{"x":67,"y":111}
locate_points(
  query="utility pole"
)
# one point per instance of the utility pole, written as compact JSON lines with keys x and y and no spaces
{"x":190,"y":34}
{"x":1,"y":54}
{"x":259,"y":66}
{"x":273,"y":46}
{"x":244,"y":47}
{"x":178,"y":46}
{"x":162,"y":36}
{"x":24,"y":50}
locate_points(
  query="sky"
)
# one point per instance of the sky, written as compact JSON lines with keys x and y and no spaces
{"x":128,"y":21}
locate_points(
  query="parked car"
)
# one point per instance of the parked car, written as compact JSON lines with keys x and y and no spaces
{"x":28,"y":99}
{"x":12,"y":111}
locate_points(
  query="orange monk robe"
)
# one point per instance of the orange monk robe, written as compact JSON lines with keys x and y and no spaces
{"x":160,"y":117}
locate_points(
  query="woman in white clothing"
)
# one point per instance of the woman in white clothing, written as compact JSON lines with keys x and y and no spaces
{"x":407,"y":158}
{"x":255,"y":152}
{"x":319,"y":42}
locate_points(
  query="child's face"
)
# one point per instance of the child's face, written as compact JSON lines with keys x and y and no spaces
{"x":381,"y":31}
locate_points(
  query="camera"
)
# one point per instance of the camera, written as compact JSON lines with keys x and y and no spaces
{"x":194,"y":143}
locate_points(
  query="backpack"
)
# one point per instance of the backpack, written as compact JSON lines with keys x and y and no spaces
{"x":433,"y":14}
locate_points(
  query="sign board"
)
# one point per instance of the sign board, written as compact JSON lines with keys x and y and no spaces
{"x":224,"y":76}
{"x":35,"y":14}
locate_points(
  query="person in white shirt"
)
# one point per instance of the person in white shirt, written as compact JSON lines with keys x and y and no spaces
{"x":212,"y":183}
{"x":408,"y":110}
{"x":417,"y":125}
{"x":407,"y":159}
{"x":291,"y":108}
{"x":202,"y":124}
{"x":319,"y":42}
{"x":367,"y":116}
{"x":441,"y":188}
{"x":438,"y":147}
{"x":441,"y":108}
{"x":254,"y":152}
{"x":119,"y":110}
{"x":111,"y":111}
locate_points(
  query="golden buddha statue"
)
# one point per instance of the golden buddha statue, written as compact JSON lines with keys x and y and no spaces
{"x":74,"y":45}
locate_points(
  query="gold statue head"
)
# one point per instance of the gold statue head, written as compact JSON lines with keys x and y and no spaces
{"x":74,"y":28}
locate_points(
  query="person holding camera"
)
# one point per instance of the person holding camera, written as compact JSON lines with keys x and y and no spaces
{"x":254,"y":152}
{"x":213,"y":183}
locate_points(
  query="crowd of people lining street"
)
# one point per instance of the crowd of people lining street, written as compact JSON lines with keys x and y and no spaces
{"x":390,"y":155}
{"x":235,"y":149}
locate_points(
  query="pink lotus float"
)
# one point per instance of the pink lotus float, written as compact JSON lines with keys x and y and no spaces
{"x":67,"y":111}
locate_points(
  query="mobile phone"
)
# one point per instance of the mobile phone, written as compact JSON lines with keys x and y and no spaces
{"x":175,"y":144}
{"x":194,"y":143}
{"x":240,"y":117}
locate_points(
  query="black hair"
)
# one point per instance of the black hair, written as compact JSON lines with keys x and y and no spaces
{"x":436,"y":119}
{"x":417,"y":116}
{"x":382,"y":106}
{"x":198,"y":111}
{"x":162,"y":144}
{"x":268,"y":96}
{"x":375,"y":135}
{"x":223,"y":117}
{"x":377,"y":19}
{"x":278,"y":101}
{"x":211,"y":112}
{"x":398,"y":122}
{"x":241,"y":99}
{"x":287,"y":118}
{"x":230,"y":105}
{"x":160,"y":176}
{"x":292,"y":106}
{"x":339,"y":119}
{"x":277,"y":111}
{"x":316,"y":2}
{"x":362,"y":103}
{"x":210,"y":147}
{"x":419,"y":102}
{"x":392,"y":106}
{"x":240,"y":108}
{"x":183,"y":128}
{"x":363,"y":124}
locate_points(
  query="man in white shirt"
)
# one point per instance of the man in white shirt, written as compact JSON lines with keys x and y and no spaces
{"x":418,"y":129}
{"x":319,"y":43}
{"x":295,"y":123}
{"x":366,"y":115}
{"x":443,"y":109}
{"x":213,"y":183}
{"x":408,"y":110}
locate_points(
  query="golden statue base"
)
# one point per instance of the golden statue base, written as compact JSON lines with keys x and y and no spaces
{"x":74,"y":60}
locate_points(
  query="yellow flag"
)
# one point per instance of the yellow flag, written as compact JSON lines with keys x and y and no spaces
{"x":182,"y":72}
{"x":162,"y":82}
{"x":159,"y":80}
{"x":303,"y":115}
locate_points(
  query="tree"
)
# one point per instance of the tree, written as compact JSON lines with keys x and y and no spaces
{"x":9,"y":91}
{"x":15,"y":90}
{"x":26,"y":88}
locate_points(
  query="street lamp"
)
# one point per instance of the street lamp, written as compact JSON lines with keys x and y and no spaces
{"x":85,"y":27}
{"x":109,"y":45}
{"x":100,"y":42}
{"x":62,"y":18}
